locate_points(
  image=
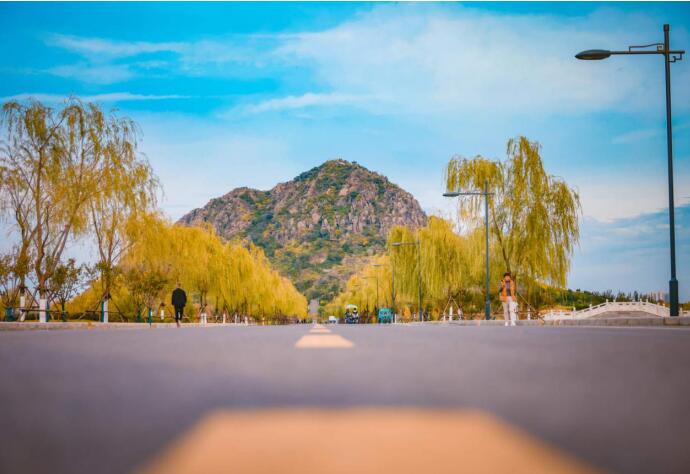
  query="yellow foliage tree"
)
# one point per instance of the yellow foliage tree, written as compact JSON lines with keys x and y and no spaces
{"x":534,"y":217}
{"x":55,"y":164}
{"x":452,"y":270}
{"x":236,"y":278}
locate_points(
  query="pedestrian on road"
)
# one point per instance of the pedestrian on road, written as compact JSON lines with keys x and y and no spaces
{"x":508,"y":295}
{"x":179,"y":300}
{"x":203,"y":316}
{"x":161,"y":311}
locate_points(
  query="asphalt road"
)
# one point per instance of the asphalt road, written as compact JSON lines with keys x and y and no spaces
{"x":106,"y":401}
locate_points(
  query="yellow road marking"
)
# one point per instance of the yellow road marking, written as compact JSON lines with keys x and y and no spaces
{"x":323,"y":341}
{"x":360,"y":441}
{"x":319,"y":331}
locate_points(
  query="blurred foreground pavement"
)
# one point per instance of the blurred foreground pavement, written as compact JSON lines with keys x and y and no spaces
{"x":345,"y":398}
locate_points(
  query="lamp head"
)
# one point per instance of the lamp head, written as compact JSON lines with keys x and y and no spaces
{"x":593,"y":54}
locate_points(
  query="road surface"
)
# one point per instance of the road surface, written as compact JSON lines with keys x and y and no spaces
{"x":111,"y":401}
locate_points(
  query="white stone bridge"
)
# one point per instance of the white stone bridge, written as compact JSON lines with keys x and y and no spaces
{"x":614,"y":309}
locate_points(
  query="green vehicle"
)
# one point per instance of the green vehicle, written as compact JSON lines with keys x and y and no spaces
{"x":385,"y":315}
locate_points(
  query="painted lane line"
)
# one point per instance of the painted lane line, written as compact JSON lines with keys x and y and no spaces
{"x":438,"y":441}
{"x":319,"y":331}
{"x":323,"y":341}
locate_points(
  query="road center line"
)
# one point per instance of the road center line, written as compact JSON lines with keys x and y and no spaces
{"x":447,"y":441}
{"x":319,"y":331}
{"x":323,"y":341}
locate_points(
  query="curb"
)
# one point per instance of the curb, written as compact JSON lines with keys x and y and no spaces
{"x":657,"y":321}
{"x":57,"y":326}
{"x":654,"y":321}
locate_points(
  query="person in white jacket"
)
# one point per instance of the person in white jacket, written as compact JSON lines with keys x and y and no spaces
{"x":203,"y":316}
{"x":508,"y":294}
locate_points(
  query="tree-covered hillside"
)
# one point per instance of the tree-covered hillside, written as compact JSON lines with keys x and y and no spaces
{"x":317,"y":228}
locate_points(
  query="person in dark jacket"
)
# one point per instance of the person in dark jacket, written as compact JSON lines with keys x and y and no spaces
{"x":179,"y":300}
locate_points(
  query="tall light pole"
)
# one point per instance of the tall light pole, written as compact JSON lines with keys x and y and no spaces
{"x":670,"y":56}
{"x":377,"y":290}
{"x":485,"y":193}
{"x":393,"y":286}
{"x":378,"y":265}
{"x":419,"y":272}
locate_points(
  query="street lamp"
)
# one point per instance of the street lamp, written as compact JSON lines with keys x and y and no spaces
{"x":419,"y":271}
{"x":485,"y":193}
{"x":392,"y":285}
{"x":670,"y":56}
{"x":378,"y":265}
{"x":377,"y":289}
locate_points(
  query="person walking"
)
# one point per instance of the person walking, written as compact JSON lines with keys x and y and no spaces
{"x":508,"y":294}
{"x":203,"y":315}
{"x":179,"y":300}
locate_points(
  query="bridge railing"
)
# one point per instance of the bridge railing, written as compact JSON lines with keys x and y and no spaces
{"x":610,"y":306}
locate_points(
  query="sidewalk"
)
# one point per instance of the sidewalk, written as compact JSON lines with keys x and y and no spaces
{"x":609,"y":322}
{"x":682,"y":321}
{"x":34,"y":326}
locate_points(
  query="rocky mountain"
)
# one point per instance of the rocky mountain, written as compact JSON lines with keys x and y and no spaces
{"x":317,"y":228}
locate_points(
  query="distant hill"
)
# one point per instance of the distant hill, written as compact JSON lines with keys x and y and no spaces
{"x":317,"y":228}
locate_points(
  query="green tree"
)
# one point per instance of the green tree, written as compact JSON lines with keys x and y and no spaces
{"x":66,"y":282}
{"x":145,"y":286}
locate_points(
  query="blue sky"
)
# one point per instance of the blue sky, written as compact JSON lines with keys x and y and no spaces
{"x":238,"y":94}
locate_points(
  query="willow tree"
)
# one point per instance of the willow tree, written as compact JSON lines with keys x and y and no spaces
{"x":127,"y":188}
{"x":370,"y":287}
{"x":233,"y":277}
{"x":534,"y":216}
{"x":450,"y":264}
{"x":203,"y":252}
{"x":54,"y":160}
{"x":13,"y":198}
{"x":451,"y":268}
{"x":198,"y":259}
{"x":9,"y":284}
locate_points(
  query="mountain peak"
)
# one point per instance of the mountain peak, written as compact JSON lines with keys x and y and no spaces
{"x":315,"y":227}
{"x":330,"y":166}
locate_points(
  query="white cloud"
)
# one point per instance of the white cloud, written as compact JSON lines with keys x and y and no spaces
{"x":631,"y":253}
{"x":309,"y":99}
{"x":208,"y":57}
{"x":110,"y":97}
{"x":637,"y":135}
{"x":428,"y":59}
{"x":197,"y":159}
{"x":617,"y":195}
{"x":448,"y":60}
{"x":94,"y":73}
{"x":100,"y":48}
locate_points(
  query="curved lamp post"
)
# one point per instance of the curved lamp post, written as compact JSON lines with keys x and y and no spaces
{"x":486,"y":194}
{"x":670,"y":56}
